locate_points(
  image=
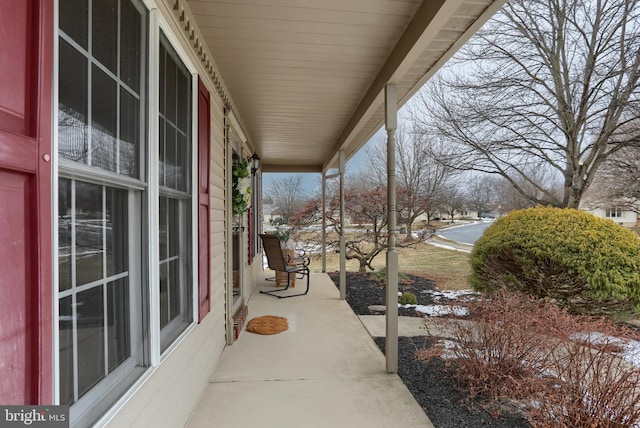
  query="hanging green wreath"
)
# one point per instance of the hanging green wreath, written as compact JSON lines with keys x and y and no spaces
{"x":241,"y":187}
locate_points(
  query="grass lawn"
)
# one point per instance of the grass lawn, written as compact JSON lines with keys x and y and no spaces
{"x":449,"y":269}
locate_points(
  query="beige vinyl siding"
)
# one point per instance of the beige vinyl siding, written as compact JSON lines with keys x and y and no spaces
{"x":217,"y":214}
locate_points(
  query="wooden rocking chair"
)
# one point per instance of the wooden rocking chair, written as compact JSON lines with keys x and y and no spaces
{"x":277,"y":261}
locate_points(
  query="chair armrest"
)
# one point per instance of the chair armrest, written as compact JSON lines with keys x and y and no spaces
{"x":304,"y":261}
{"x":299,"y":261}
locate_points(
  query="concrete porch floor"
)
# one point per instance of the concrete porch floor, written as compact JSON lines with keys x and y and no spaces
{"x":325,"y":371}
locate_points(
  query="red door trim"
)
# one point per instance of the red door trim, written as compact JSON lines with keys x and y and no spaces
{"x":44,"y":194}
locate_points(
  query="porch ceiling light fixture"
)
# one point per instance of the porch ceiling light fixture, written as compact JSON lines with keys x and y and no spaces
{"x":255,"y":163}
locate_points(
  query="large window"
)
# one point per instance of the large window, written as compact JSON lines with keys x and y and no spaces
{"x":102,"y":146}
{"x":100,"y":113}
{"x":105,"y":247}
{"x":174,"y":172}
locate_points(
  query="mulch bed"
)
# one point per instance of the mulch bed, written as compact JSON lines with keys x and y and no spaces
{"x":432,"y":383}
{"x":363,"y":290}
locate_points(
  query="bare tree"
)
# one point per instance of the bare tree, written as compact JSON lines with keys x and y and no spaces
{"x":287,"y":193}
{"x":481,"y":192}
{"x":546,"y":84}
{"x":366,"y":205}
{"x":507,"y":198}
{"x":453,"y":199}
{"x":420,"y":178}
{"x":370,"y":209}
{"x":266,"y":199}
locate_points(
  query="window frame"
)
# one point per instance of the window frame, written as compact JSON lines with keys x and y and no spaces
{"x":143,"y":197}
{"x":163,"y":29}
{"x":173,"y":198}
{"x":91,"y":405}
{"x":614,"y":212}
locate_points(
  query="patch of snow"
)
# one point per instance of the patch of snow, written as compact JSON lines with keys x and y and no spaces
{"x":448,"y":247}
{"x":449,"y":349}
{"x":630,"y":348}
{"x":631,"y":352}
{"x":439,"y":310}
{"x":451,"y":295}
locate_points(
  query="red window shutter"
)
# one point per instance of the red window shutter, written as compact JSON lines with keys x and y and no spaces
{"x":204,"y":136}
{"x":26,"y":335}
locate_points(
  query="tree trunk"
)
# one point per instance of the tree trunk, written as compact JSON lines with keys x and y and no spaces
{"x":409,"y":237}
{"x":573,"y":200}
{"x":363,"y":266}
{"x":572,"y":190}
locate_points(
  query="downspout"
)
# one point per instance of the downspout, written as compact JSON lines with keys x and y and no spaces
{"x":391,"y":338}
{"x":324,"y":221}
{"x":343,"y":245}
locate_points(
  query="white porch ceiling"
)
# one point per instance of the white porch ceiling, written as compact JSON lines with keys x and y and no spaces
{"x":307,"y":76}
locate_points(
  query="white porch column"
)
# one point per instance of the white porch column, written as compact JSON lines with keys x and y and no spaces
{"x":391,"y":122}
{"x":324,"y":221}
{"x":343,"y":244}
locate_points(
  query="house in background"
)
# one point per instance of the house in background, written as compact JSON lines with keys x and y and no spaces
{"x":120,"y":123}
{"x":270,"y":213}
{"x":624,"y":217}
{"x":465,"y":213}
{"x":600,"y":203}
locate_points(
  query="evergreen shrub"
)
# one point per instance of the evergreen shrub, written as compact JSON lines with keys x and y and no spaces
{"x":408,"y":298}
{"x":584,"y":262}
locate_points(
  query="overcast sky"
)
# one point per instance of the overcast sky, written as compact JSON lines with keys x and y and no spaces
{"x":312,"y":181}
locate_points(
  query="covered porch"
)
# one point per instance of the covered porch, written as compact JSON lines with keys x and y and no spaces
{"x":325,"y":370}
{"x":309,"y":83}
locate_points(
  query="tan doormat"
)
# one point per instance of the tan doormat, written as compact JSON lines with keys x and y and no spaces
{"x":268,"y":324}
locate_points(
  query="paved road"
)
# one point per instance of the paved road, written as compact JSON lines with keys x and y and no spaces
{"x":467,"y":233}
